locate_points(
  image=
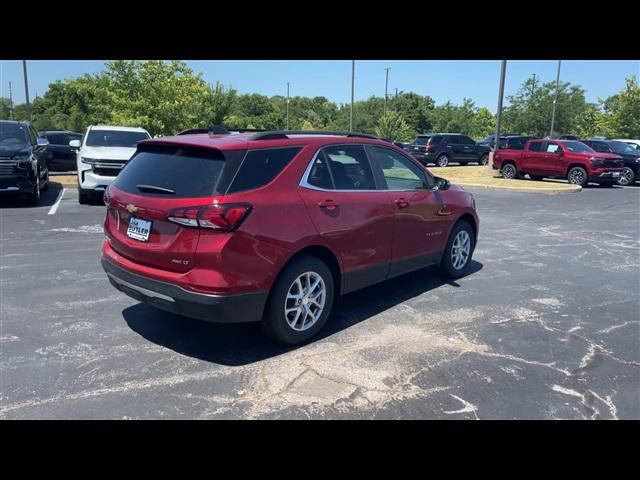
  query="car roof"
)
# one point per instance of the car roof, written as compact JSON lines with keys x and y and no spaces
{"x":117,"y":128}
{"x":242,"y":141}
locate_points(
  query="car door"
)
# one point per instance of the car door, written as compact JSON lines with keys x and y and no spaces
{"x":455,"y":148}
{"x":420,"y":216}
{"x":38,"y":151}
{"x":552,"y":158}
{"x":532,"y":158}
{"x":348,"y":210}
{"x":469,"y":149}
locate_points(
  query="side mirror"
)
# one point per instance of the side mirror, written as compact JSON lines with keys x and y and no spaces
{"x":74,"y":143}
{"x":440,"y":184}
{"x":42,"y":142}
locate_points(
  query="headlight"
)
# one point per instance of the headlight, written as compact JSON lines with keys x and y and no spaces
{"x":597,"y":162}
{"x":638,"y":160}
{"x":88,"y":161}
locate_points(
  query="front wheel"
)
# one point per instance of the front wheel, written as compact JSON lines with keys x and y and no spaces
{"x":457,"y":254}
{"x":300,"y":302}
{"x":46,"y":185}
{"x":627,"y":177}
{"x":578,"y":176}
{"x":484,"y":159}
{"x":34,"y":197}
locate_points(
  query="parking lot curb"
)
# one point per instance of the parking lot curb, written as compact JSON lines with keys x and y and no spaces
{"x":554,"y":190}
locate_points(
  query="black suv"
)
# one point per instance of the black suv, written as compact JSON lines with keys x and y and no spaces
{"x":23,"y":167}
{"x":490,"y":141}
{"x":442,"y":148}
{"x":60,"y":156}
{"x":630,"y":157}
{"x":515,"y":142}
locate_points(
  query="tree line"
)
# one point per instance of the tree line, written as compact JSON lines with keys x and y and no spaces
{"x":167,"y":97}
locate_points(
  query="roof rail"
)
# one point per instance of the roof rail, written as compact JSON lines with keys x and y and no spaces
{"x":275,"y":134}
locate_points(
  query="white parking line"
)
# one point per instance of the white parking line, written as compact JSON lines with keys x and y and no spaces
{"x":55,"y":206}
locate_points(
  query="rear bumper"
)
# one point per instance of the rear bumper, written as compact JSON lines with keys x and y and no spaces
{"x":239,"y":308}
{"x":423,"y":157}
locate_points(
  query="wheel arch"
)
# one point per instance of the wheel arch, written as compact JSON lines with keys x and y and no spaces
{"x":323,"y":253}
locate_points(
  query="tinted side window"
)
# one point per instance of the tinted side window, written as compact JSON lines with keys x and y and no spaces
{"x":319,"y":176}
{"x":58,"y":138}
{"x":33,"y":136}
{"x":466,"y":140}
{"x":600,"y":147}
{"x":260,"y":167}
{"x":517,"y":143}
{"x":399,"y":172}
{"x":535,"y":146}
{"x":436,"y":139}
{"x":349,"y":167}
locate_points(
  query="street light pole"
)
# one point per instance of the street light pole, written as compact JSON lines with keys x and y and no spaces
{"x":503,"y":69}
{"x":10,"y":102}
{"x":26,"y":86}
{"x":555,"y":99}
{"x":353,"y":79}
{"x":287,"y":106}
{"x":386,"y":85}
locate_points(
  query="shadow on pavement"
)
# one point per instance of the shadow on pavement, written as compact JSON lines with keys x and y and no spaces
{"x":21,"y":200}
{"x":241,"y":344}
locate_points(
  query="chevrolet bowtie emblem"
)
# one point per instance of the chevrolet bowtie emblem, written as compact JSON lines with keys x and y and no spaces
{"x":132,"y":208}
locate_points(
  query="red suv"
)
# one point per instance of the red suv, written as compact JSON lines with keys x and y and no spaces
{"x":273,"y":226}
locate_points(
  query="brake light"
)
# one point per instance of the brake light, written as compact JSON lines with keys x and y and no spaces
{"x":224,"y":217}
{"x":431,"y":148}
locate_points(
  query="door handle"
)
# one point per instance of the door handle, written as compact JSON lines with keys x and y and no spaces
{"x":402,"y":203}
{"x":328,"y":204}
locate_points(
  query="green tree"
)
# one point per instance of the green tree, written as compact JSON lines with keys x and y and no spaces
{"x":393,"y":127}
{"x":622,"y":118}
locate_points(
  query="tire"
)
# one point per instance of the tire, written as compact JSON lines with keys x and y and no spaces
{"x":278,"y":325}
{"x":34,"y":196}
{"x":83,"y":195}
{"x":442,"y":161}
{"x":484,"y":159}
{"x":627,"y":178}
{"x":46,"y":185}
{"x":509,"y":171}
{"x":535,"y":177}
{"x":578,"y":176}
{"x":448,"y":266}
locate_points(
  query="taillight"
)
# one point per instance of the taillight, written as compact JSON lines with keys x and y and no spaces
{"x":224,"y":217}
{"x":431,"y":148}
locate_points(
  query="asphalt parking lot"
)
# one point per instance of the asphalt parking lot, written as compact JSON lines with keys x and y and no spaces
{"x":547,"y":326}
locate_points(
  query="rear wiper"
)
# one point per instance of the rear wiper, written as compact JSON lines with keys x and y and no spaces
{"x":153,"y":188}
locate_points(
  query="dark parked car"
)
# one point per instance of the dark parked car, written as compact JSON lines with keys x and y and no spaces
{"x":60,"y":156}
{"x":23,"y":167}
{"x":561,"y":137}
{"x":442,"y":148}
{"x":490,"y":141}
{"x":629,"y":154}
{"x":515,"y":142}
{"x":273,"y":227}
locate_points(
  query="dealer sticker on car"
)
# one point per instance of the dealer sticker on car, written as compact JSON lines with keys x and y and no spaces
{"x":139,"y":229}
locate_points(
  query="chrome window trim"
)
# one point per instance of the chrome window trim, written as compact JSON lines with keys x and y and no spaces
{"x":304,"y":183}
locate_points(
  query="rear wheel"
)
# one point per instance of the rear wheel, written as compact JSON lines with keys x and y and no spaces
{"x":300,"y":302}
{"x":457,"y":254}
{"x":509,"y":171}
{"x":578,"y":176}
{"x":484,"y":159}
{"x":442,"y":161}
{"x":627,"y":177}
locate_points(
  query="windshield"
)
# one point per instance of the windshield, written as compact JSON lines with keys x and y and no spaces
{"x":114,"y":138}
{"x":13,"y":133}
{"x":577,"y":147}
{"x":421,"y":140}
{"x":621,"y":147}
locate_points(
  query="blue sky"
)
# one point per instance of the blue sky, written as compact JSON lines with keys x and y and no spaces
{"x":442,"y":80}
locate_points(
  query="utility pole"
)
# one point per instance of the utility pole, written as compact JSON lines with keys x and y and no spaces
{"x":386,"y":84}
{"x":396,"y":93}
{"x":26,"y":86}
{"x":10,"y":102}
{"x":555,"y":99}
{"x":503,"y":69}
{"x":353,"y":79}
{"x":287,"y":106}
{"x":533,"y":85}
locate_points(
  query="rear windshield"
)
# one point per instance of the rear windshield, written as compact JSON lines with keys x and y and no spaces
{"x":114,"y":138}
{"x":188,"y":172}
{"x":421,"y":140}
